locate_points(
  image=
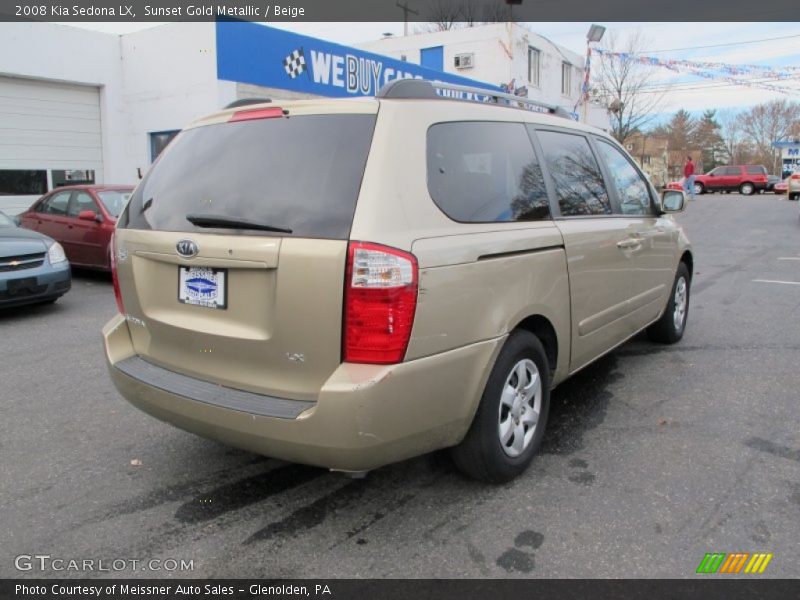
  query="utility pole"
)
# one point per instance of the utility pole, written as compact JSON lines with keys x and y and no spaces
{"x":406,"y":10}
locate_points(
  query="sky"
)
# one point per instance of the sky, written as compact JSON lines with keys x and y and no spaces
{"x":772,"y":44}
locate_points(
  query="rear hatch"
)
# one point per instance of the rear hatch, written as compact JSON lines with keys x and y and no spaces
{"x":231,"y":253}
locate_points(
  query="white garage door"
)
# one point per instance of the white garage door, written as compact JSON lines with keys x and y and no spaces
{"x":49,"y":132}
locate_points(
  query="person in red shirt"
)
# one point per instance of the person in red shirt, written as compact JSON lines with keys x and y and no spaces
{"x":688,"y":176}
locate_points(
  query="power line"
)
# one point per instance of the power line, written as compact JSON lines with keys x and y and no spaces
{"x":782,"y":37}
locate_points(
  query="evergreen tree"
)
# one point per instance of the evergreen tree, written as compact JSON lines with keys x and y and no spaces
{"x":681,"y":131}
{"x":707,"y":137}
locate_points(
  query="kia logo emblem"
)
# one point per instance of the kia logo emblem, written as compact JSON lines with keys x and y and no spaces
{"x":187,"y":248}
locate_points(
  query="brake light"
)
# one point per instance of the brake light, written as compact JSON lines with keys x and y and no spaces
{"x":796,"y":176}
{"x":257,"y":113}
{"x":114,"y":277}
{"x":379,"y":303}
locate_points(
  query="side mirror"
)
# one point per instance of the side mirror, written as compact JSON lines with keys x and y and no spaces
{"x":17,"y":220}
{"x":672,"y":201}
{"x":88,"y":215}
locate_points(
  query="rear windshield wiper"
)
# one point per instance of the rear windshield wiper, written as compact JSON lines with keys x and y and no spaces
{"x":205,"y":220}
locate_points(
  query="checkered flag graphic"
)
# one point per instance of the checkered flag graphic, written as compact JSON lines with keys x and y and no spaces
{"x":295,"y":63}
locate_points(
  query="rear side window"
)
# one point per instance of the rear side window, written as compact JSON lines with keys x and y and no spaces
{"x":577,"y":179}
{"x":485,"y":172}
{"x":756,"y":170}
{"x":300,"y":173}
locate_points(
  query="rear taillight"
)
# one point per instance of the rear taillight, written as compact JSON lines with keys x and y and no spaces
{"x":380,"y":300}
{"x":112,"y":248}
{"x":796,"y":176}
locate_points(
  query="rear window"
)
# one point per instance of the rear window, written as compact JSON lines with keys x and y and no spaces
{"x":299,"y":173}
{"x":757,"y":170}
{"x":481,"y":172}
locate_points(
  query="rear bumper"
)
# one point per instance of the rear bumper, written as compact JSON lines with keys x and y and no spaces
{"x":365,"y":416}
{"x":51,"y":281}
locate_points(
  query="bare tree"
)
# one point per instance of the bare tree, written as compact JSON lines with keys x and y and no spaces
{"x":737,"y":148}
{"x":769,"y":122}
{"x":626,"y":86}
{"x":496,"y":11}
{"x":442,"y":15}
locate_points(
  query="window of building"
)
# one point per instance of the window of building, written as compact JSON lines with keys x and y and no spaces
{"x":20,"y":182}
{"x":566,"y":78}
{"x":72,"y":177}
{"x":533,"y":65}
{"x":576,"y":176}
{"x":159,"y":141}
{"x":485,"y":172}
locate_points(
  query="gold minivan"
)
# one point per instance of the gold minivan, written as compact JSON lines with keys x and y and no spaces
{"x":350,"y":283}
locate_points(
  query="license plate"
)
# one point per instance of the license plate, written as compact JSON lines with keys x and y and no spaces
{"x":203,"y":286}
{"x":16,"y":286}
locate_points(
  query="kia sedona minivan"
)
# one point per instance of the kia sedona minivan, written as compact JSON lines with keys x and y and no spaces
{"x":350,"y":283}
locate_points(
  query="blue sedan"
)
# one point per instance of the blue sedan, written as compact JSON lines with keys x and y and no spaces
{"x":33,"y":267}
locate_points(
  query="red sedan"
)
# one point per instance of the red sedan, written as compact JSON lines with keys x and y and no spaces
{"x":81,"y":218}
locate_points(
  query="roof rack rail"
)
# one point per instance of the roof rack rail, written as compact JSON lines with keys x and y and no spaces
{"x":247,"y":102}
{"x":421,"y":89}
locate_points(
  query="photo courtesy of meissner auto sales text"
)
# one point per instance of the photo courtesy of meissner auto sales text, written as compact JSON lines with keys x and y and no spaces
{"x":403,"y":298}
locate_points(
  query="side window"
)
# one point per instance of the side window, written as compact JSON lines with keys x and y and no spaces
{"x":80,"y":202}
{"x":731,"y":171}
{"x":577,"y":179}
{"x":717,"y":172}
{"x":484,"y":172}
{"x":632,"y":189}
{"x":56,"y":204}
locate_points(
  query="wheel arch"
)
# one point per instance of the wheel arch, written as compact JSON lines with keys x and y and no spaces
{"x":542,"y":328}
{"x":688,"y":260}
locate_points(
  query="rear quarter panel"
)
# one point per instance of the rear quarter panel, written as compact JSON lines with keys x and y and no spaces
{"x":477,"y":280}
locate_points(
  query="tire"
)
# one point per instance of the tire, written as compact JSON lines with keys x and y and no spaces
{"x":747,"y":189}
{"x":483,"y":454}
{"x":699,"y":189}
{"x":667,"y":330}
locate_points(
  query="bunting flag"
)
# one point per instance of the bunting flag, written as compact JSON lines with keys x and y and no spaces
{"x":731,"y":73}
{"x":587,"y":69}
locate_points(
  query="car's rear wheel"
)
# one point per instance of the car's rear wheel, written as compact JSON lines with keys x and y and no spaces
{"x":510,"y":420}
{"x":747,"y":189}
{"x":670,"y":327}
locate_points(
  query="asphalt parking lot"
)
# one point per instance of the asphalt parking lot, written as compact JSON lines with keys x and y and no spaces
{"x":653,"y":456}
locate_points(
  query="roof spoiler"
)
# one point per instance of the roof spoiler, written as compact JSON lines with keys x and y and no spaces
{"x":247,"y":102}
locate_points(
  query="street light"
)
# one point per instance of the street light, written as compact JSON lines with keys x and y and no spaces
{"x":595,"y":34}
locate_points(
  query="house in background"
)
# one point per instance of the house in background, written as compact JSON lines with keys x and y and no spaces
{"x":500,"y":53}
{"x":652,"y":155}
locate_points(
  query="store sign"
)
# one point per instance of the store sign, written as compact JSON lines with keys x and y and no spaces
{"x":269,"y":57}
